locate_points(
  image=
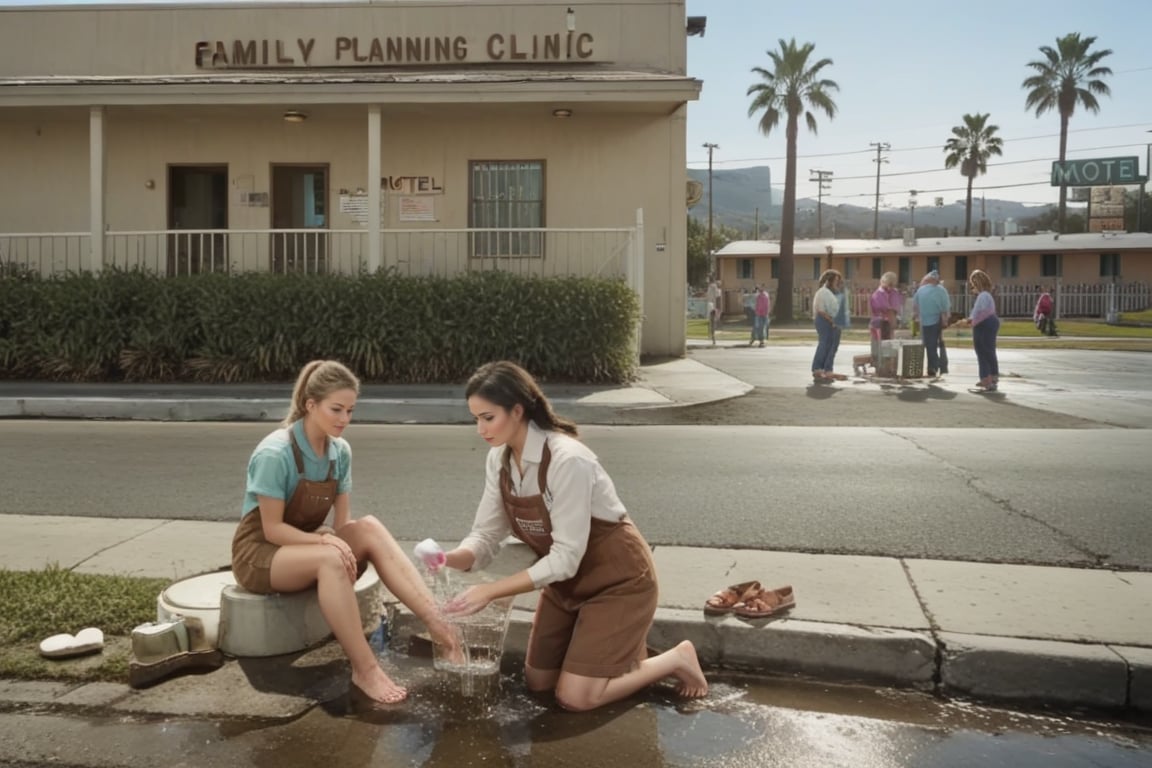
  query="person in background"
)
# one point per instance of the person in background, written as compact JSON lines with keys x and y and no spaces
{"x":825,"y":308}
{"x":933,"y":306}
{"x":299,"y":474}
{"x":885,"y":305}
{"x":945,"y":322}
{"x":985,"y":326}
{"x":763,"y":308}
{"x":715,"y":308}
{"x":1044,"y":314}
{"x":598,"y":585}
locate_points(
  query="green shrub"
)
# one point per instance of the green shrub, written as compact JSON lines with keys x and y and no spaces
{"x":135,"y":326}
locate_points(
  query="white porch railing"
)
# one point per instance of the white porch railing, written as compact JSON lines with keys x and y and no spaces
{"x":45,"y":252}
{"x":541,"y":252}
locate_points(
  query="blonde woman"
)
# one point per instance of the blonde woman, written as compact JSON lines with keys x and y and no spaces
{"x":985,"y":326}
{"x":297,"y":476}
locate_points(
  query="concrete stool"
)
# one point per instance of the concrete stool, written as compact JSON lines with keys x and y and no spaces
{"x":197,"y":599}
{"x":271,"y":625}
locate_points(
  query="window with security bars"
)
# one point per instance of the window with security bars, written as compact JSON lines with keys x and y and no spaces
{"x":507,"y":195}
{"x":1109,"y":265}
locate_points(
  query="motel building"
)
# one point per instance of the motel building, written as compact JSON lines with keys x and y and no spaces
{"x":430,"y":137}
{"x":1095,"y":272}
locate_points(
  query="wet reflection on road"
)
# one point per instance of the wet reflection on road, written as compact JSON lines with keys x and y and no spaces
{"x":744,"y":723}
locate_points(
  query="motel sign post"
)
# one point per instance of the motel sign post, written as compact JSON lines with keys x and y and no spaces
{"x":1100,"y":172}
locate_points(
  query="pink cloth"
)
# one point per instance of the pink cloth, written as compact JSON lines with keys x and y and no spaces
{"x":763,"y":304}
{"x":885,"y":299}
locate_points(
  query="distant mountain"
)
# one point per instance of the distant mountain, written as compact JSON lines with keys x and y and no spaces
{"x":739,"y":192}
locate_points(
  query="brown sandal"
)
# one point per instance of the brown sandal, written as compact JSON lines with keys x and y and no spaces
{"x":765,"y":602}
{"x":726,"y":600}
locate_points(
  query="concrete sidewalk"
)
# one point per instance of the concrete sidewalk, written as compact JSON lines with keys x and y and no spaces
{"x":669,"y":383}
{"x":1020,"y":634}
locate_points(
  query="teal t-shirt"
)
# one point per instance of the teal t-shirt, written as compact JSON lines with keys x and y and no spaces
{"x":272,"y":468}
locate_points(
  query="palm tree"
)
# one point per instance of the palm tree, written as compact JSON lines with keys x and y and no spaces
{"x":969,"y":148}
{"x":791,"y":88}
{"x":1068,"y":75}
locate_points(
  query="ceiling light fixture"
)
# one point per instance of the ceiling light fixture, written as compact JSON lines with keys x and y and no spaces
{"x":295,"y":116}
{"x":561,"y":113}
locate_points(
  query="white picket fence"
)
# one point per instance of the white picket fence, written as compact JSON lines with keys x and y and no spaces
{"x":1104,"y":299}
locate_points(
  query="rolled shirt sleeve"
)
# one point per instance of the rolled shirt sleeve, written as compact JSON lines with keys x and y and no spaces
{"x":490,"y":526}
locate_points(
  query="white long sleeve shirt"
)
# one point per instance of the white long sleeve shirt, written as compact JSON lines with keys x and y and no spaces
{"x":578,"y":490}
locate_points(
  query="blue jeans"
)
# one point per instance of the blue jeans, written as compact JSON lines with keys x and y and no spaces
{"x":760,"y":328}
{"x":826,"y":346}
{"x":984,"y":342}
{"x":930,"y":335}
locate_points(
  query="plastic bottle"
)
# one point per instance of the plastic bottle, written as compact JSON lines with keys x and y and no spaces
{"x":431,"y":555}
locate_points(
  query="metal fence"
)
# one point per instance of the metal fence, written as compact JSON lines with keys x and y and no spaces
{"x":543,"y":252}
{"x":1017,"y":299}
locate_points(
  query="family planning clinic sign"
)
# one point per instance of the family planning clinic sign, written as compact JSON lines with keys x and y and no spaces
{"x":1100,"y":172}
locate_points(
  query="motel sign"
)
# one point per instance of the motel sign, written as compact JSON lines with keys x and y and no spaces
{"x":1100,"y":172}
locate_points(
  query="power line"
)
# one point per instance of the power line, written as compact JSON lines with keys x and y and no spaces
{"x":933,"y":146}
{"x":881,"y":147}
{"x":824,"y":182}
{"x":710,"y":147}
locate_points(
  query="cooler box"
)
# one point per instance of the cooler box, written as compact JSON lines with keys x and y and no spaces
{"x":901,"y":358}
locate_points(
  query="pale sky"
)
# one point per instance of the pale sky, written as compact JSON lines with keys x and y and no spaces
{"x":909,"y":71}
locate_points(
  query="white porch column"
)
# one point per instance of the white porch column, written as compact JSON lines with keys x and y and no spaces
{"x":375,"y":222}
{"x":636,"y":278}
{"x":96,"y":188}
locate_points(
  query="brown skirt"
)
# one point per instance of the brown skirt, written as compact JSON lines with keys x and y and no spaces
{"x":252,"y":555}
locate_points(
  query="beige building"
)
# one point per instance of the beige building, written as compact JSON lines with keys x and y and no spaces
{"x":347,"y":136}
{"x":1012,"y":259}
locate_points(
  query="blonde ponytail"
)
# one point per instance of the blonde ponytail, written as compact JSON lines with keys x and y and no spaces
{"x":316,"y":381}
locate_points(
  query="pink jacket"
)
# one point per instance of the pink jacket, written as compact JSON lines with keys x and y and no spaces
{"x":763,"y":304}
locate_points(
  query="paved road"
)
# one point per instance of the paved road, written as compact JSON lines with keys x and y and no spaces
{"x":1047,"y":387}
{"x":1032,"y":496}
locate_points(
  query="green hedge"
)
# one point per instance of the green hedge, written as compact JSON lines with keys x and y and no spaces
{"x":136,"y":326}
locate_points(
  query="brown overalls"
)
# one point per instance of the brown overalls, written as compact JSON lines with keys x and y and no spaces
{"x":596,"y":623}
{"x":309,"y":506}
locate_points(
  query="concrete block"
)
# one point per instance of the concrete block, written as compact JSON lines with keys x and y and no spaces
{"x":1139,"y":661}
{"x":270,"y":625}
{"x":33,"y":691}
{"x":1012,"y":669}
{"x":230,"y":691}
{"x":837,"y":652}
{"x":95,"y":695}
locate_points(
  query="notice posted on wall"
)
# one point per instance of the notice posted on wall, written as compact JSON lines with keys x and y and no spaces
{"x":417,"y":208}
{"x":355,"y":206}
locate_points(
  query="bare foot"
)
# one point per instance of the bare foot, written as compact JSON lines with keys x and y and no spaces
{"x":693,"y":685}
{"x":448,"y":636}
{"x":377,"y":686}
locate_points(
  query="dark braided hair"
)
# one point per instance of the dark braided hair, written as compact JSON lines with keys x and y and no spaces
{"x":507,"y":385}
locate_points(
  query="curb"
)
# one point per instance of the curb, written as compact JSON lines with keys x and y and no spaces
{"x":370,"y":411}
{"x":995,"y":669}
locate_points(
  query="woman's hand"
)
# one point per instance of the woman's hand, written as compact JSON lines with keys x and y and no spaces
{"x":470,"y":601}
{"x":346,"y":555}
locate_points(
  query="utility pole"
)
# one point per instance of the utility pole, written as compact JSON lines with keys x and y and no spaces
{"x":824,"y":180}
{"x":912,"y":208}
{"x":757,"y":237}
{"x":710,"y":148}
{"x":881,"y":147}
